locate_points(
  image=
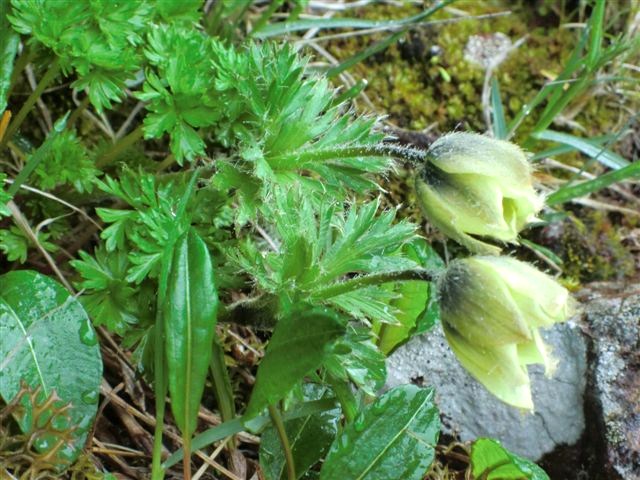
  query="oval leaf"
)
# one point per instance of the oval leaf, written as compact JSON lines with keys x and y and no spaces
{"x":48,"y":341}
{"x":297,"y":347}
{"x":394,"y":437}
{"x":416,"y":303}
{"x":9,"y":41}
{"x":491,"y":461}
{"x":310,"y":438}
{"x":190,"y":318}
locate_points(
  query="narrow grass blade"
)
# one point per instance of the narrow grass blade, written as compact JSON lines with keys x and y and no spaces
{"x":237,"y":425}
{"x":565,"y":194}
{"x":282,"y":28}
{"x":499,"y":122}
{"x":588,"y":147}
{"x":363,"y":54}
{"x":596,"y":33}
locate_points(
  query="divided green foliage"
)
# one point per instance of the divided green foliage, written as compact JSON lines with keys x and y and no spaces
{"x":97,"y":39}
{"x":108,"y":297}
{"x":145,"y":229}
{"x":15,"y":245}
{"x":285,"y":120}
{"x":178,"y":94}
{"x":260,"y":102}
{"x":67,"y":162}
{"x":319,"y":244}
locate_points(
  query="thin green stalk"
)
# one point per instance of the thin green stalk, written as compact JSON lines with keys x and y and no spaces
{"x":78,"y":111}
{"x":410,"y":155}
{"x":346,"y":398}
{"x":37,"y":157}
{"x":266,"y":15}
{"x":278,"y":423}
{"x":160,"y":380}
{"x":186,"y":461}
{"x":565,"y":194}
{"x":374,"y":279}
{"x":166,"y":163}
{"x":222,"y":384}
{"x":485,"y":474}
{"x":120,"y":146}
{"x":45,"y":81}
{"x":23,"y":60}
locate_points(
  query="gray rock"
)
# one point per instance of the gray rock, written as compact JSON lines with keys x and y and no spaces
{"x":469,"y":411}
{"x":612,"y":317}
{"x":598,"y":377}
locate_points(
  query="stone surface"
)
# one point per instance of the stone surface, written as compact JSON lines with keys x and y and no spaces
{"x":598,"y":378}
{"x":469,"y":411}
{"x":612,"y":318}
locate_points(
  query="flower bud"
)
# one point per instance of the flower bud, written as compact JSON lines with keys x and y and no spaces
{"x":491,"y":309}
{"x":473,"y":185}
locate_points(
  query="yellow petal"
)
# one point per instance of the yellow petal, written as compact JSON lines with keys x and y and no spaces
{"x":498,"y":369}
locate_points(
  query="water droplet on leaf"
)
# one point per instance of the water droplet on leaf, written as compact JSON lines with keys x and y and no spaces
{"x":90,"y":396}
{"x":87,"y":335}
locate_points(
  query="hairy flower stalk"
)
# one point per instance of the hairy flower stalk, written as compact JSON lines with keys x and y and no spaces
{"x":491,"y":310}
{"x":476,"y":186}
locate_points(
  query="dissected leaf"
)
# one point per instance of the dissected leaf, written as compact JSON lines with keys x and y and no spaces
{"x":491,"y":461}
{"x":297,"y":347}
{"x":394,"y":437}
{"x":109,"y":299}
{"x":99,"y":40}
{"x":67,"y":162}
{"x":48,"y":341}
{"x":190,"y":317}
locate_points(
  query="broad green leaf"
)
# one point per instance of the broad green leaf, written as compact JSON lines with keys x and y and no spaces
{"x":298,"y":346}
{"x":189,"y":317}
{"x":491,"y":461}
{"x":310,"y":437}
{"x":394,"y":437}
{"x":48,"y":341}
{"x":416,"y":304}
{"x":9,"y":41}
{"x":356,"y":358}
{"x":231,"y":427}
{"x":297,"y":260}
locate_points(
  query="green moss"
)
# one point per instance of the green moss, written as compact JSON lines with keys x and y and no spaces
{"x":425,"y":79}
{"x":593,"y":250}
